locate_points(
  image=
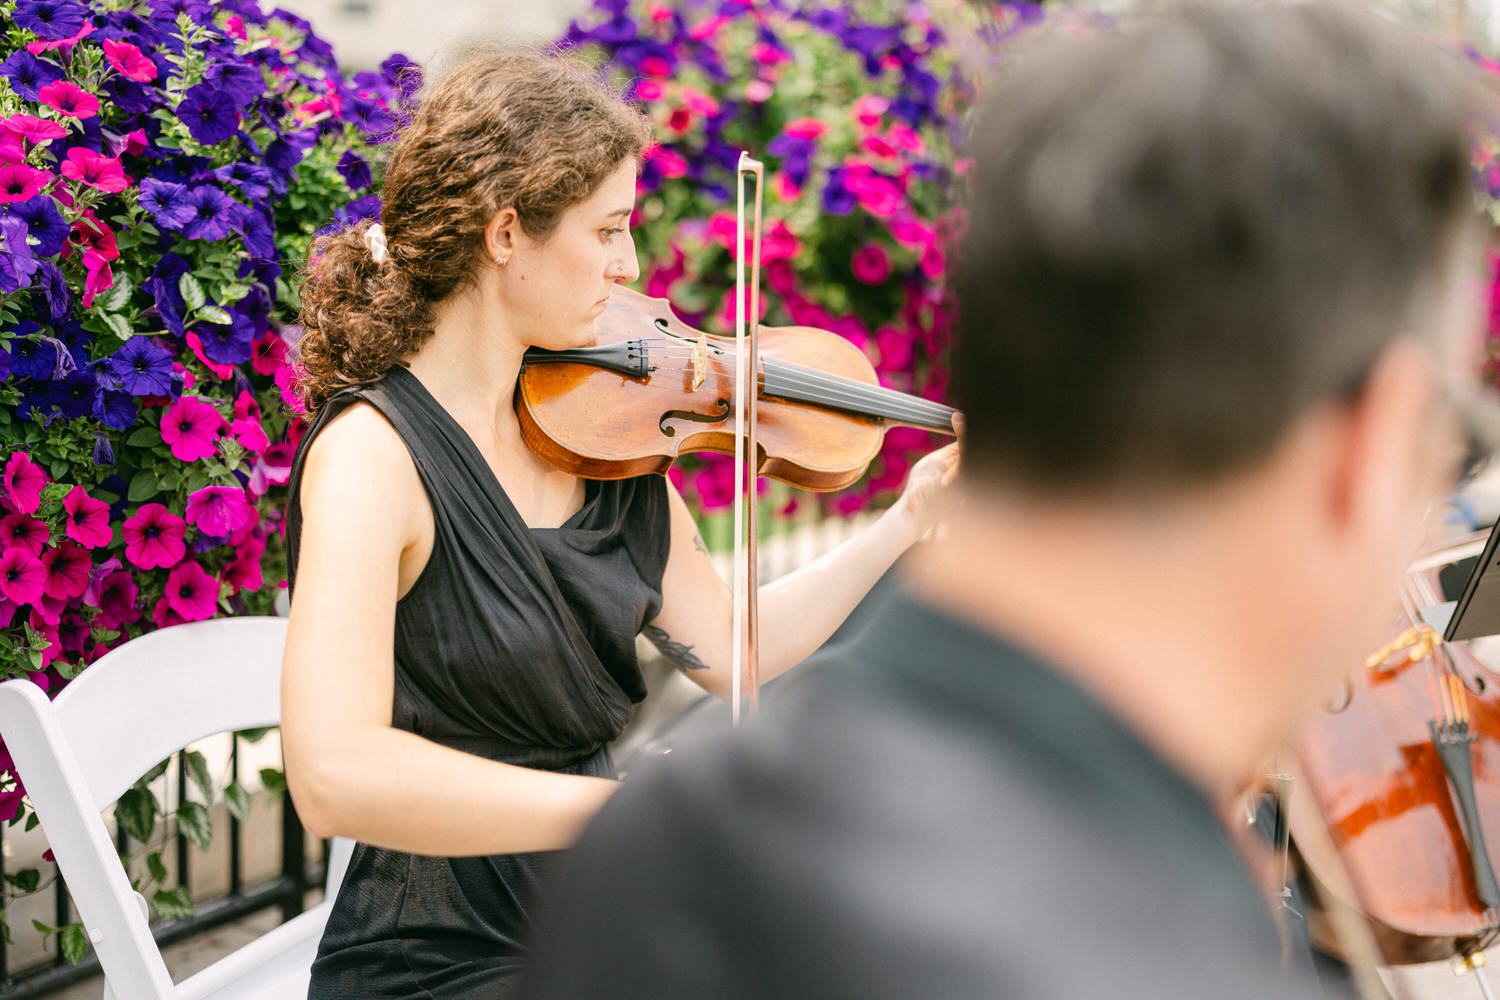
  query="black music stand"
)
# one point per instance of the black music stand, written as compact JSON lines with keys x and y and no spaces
{"x":1476,"y":613}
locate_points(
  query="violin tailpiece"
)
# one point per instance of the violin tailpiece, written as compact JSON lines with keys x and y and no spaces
{"x":1453,"y":742}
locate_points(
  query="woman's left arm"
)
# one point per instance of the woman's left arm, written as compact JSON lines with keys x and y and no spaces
{"x":799,"y":611}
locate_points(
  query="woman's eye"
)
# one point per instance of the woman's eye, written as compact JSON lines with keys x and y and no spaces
{"x":609,"y":234}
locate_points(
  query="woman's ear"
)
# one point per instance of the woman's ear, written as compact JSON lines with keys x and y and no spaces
{"x":500,"y":235}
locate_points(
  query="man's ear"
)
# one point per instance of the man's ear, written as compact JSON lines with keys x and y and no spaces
{"x":1384,"y":469}
{"x":500,"y":234}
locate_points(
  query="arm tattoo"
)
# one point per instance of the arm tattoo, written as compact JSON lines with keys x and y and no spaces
{"x":679,"y":654}
{"x":699,"y":544}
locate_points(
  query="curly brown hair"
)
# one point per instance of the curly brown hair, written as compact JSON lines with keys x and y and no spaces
{"x":507,"y":126}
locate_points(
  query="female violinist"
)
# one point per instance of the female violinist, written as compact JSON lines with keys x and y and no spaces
{"x":463,"y":624}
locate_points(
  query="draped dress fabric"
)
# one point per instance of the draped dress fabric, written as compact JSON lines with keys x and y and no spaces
{"x":516,"y":644}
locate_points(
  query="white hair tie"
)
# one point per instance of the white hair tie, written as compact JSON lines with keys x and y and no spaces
{"x":375,"y":240}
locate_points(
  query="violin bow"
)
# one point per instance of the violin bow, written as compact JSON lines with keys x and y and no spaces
{"x":745,"y":685}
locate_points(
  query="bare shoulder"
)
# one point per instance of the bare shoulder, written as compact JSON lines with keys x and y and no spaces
{"x":358,"y":468}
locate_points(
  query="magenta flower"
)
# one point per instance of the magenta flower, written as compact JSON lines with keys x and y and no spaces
{"x":67,"y":567}
{"x":23,"y":531}
{"x":117,"y":600}
{"x":23,"y":483}
{"x":33,"y":129}
{"x":191,"y":593}
{"x":101,"y":172}
{"x":220,"y":510}
{"x":806,"y":128}
{"x":870,"y":264}
{"x":22,"y":576}
{"x":272,"y":468}
{"x":98,"y":278}
{"x":12,"y":148}
{"x":243,"y":572}
{"x":129,"y":60}
{"x":153,"y":538}
{"x":88,"y":519}
{"x":190,"y":427}
{"x":19,"y":182}
{"x":163,"y":615}
{"x":69,"y":99}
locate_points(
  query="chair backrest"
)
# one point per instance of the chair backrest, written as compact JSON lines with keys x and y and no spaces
{"x":130,"y":710}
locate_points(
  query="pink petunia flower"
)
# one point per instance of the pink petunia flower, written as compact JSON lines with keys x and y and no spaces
{"x":153,"y":537}
{"x":870,"y":264}
{"x":88,"y":519}
{"x":269,"y":352}
{"x":67,"y":567}
{"x":117,"y":600}
{"x":98,"y":278}
{"x":272,"y":468}
{"x":102,"y":173}
{"x":36,"y":48}
{"x":243,"y":572}
{"x":192,"y":593}
{"x":806,"y":128}
{"x":190,"y":427}
{"x":22,"y":576}
{"x":220,"y":510}
{"x":25,"y":532}
{"x":22,"y":484}
{"x":12,"y":149}
{"x":163,"y":614}
{"x":129,"y":60}
{"x":33,"y":129}
{"x":869,"y":108}
{"x":20,"y":182}
{"x":649,"y":91}
{"x":69,"y":99}
{"x":90,"y":233}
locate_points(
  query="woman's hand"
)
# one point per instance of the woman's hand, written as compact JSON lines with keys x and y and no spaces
{"x":929,"y":493}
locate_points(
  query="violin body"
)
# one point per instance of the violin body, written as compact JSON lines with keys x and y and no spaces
{"x":653,"y":389}
{"x":1371,"y":774}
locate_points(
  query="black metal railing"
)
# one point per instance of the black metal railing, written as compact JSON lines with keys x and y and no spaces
{"x":288,"y":889}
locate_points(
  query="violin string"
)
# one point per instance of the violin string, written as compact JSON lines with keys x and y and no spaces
{"x":834,"y":389}
{"x":1437,"y":700}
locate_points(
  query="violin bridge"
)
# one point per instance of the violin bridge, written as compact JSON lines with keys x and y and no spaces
{"x":700,"y":361}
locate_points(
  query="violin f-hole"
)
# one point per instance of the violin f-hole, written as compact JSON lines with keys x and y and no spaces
{"x":721,"y":412}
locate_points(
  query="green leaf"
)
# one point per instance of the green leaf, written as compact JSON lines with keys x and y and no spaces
{"x":273,"y":779}
{"x":213,"y":314}
{"x":156,"y":867}
{"x":144,"y":437}
{"x":233,"y":291}
{"x":42,"y":928}
{"x":192,"y":292}
{"x":237,"y":801}
{"x":31,"y":822}
{"x":193,"y":823}
{"x":172,"y":904}
{"x":197,"y":771}
{"x":256,"y":735}
{"x":136,"y":813}
{"x":142,"y":485}
{"x":74,"y":941}
{"x":118,"y":325}
{"x":156,"y":772}
{"x":26,"y":880}
{"x":114,"y":300}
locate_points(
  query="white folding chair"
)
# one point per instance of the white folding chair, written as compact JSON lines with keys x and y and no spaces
{"x":78,"y":754}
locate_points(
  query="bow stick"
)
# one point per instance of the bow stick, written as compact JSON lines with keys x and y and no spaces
{"x":745,"y":686}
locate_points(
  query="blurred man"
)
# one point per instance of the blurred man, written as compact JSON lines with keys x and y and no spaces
{"x":1217,"y":284}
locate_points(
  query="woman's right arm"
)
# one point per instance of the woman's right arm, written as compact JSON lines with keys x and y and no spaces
{"x":349,"y":772}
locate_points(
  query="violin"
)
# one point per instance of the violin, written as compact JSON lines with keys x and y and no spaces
{"x":652,"y":388}
{"x":1405,"y":772}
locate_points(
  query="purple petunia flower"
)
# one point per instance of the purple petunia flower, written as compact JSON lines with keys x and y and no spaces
{"x":114,"y":409}
{"x":75,"y":394}
{"x":254,"y":182}
{"x":837,"y":198}
{"x":45,"y":223}
{"x":104,"y":452}
{"x":167,"y":10}
{"x":31,"y":357}
{"x":4,"y":363}
{"x":54,"y":286}
{"x":209,"y":114}
{"x":143,"y":368}
{"x":167,"y":202}
{"x":241,"y":81}
{"x":214,"y":213}
{"x":355,"y":170}
{"x":367,"y":207}
{"x":51,"y":19}
{"x":28,"y":74}
{"x":17,"y":263}
{"x":230,"y":343}
{"x":259,"y":235}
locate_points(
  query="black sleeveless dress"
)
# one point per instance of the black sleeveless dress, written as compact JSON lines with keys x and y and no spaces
{"x":515,"y":644}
